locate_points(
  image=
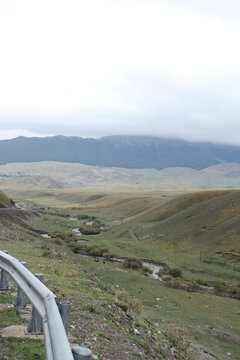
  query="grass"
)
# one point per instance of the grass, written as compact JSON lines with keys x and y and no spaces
{"x":23,"y":349}
{"x":9,"y":317}
{"x":4,"y":199}
{"x":210,"y":227}
{"x":139,"y":341}
{"x":6,"y":298}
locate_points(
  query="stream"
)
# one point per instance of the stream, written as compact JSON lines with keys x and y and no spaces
{"x":153,"y":267}
{"x":155,"y":270}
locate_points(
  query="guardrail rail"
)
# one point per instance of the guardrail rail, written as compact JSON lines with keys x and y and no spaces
{"x":43,"y":300}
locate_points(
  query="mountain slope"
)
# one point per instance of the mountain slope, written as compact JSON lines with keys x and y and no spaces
{"x":5,"y":201}
{"x":118,"y":151}
{"x":208,"y":221}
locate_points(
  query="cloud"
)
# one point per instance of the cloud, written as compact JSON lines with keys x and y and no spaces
{"x":229,"y":11}
{"x":105,"y":67}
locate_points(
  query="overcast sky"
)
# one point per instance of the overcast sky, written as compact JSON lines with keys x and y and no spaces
{"x":105,"y":67}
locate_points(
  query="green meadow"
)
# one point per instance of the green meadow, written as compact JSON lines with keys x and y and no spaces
{"x":197,"y":233}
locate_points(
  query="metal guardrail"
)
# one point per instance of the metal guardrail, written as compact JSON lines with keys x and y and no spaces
{"x":56,"y":342}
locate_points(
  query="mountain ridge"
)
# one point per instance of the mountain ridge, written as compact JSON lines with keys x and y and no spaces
{"x":118,"y":151}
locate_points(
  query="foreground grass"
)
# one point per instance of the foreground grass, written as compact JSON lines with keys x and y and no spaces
{"x":9,"y":317}
{"x":72,"y":279}
{"x":26,"y":349}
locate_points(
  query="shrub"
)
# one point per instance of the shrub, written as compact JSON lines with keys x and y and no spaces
{"x":167,"y":278}
{"x":176,"y":337}
{"x":193,"y":285}
{"x":221,"y":286}
{"x":178,"y":283}
{"x":163,"y":271}
{"x":175,"y":272}
{"x":146,"y":269}
{"x":76,"y":249}
{"x":62,"y":235}
{"x":235,"y":291}
{"x":90,"y":250}
{"x":124,"y":306}
{"x":203,"y":282}
{"x":96,"y":251}
{"x":83,"y":216}
{"x":90,"y":230}
{"x":58,"y":241}
{"x":132,"y":263}
{"x":134,"y":303}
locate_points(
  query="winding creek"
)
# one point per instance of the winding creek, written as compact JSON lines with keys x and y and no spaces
{"x":155,"y":268}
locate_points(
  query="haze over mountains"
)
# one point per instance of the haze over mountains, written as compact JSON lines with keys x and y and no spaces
{"x":118,"y":151}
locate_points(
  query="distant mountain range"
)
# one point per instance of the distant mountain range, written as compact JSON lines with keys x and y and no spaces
{"x":118,"y":151}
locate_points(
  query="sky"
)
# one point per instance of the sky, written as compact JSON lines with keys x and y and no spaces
{"x":113,"y":67}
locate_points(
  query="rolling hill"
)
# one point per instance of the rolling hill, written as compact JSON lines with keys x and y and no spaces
{"x":198,"y":222}
{"x":58,"y":175}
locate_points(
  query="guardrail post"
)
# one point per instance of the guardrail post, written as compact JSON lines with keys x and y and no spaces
{"x":4,"y":285}
{"x":20,"y":301}
{"x":65,"y":311}
{"x":81,"y":353}
{"x":35,"y":325}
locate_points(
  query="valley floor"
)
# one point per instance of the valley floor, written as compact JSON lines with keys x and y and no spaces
{"x":119,"y":312}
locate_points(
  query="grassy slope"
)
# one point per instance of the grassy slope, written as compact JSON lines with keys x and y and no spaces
{"x":5,"y":200}
{"x":203,"y":222}
{"x":96,"y":319}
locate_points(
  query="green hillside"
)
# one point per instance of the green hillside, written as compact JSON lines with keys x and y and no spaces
{"x":5,"y":201}
{"x":197,"y":233}
{"x":208,"y":221}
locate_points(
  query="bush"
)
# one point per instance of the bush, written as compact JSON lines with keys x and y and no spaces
{"x":62,"y":235}
{"x":176,"y":337}
{"x":193,"y":285}
{"x":58,"y":241}
{"x":132,"y":263}
{"x":90,"y":250}
{"x":133,"y":303}
{"x":235,"y":291}
{"x":221,"y":286}
{"x":146,"y":269}
{"x":163,"y":271}
{"x":203,"y":282}
{"x":82,"y":217}
{"x":90,"y":230}
{"x":175,"y":272}
{"x":167,"y":278}
{"x":178,"y":283}
{"x":96,"y":251}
